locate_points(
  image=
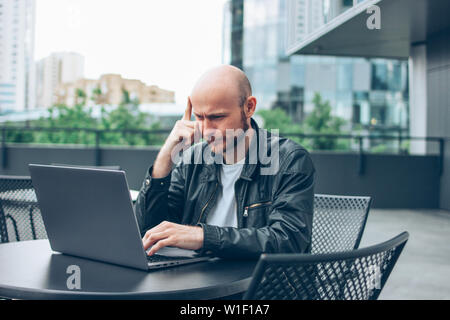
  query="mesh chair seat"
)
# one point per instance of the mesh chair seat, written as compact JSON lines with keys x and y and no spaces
{"x":20,"y":217}
{"x":352,"y":275}
{"x":338,"y":222}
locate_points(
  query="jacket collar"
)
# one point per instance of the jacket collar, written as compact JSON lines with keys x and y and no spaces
{"x":249,"y":168}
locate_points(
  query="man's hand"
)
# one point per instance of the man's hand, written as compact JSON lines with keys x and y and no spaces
{"x":175,"y":235}
{"x":183,"y":131}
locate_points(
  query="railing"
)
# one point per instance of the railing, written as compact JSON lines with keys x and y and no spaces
{"x":361,"y":138}
{"x":99,"y":132}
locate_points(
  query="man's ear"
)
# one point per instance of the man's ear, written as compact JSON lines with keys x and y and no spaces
{"x":250,"y":106}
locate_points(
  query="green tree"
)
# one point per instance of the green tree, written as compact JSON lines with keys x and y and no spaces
{"x":277,"y":118}
{"x":62,"y":116}
{"x":80,"y":97}
{"x":97,"y":96}
{"x":126,"y":116}
{"x":321,"y":121}
{"x":19,"y":135}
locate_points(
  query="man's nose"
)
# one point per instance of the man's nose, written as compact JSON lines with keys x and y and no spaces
{"x":207,"y":127}
{"x":209,"y":132}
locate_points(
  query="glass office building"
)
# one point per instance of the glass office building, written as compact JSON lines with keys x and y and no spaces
{"x":17,"y":71}
{"x":368,"y":93}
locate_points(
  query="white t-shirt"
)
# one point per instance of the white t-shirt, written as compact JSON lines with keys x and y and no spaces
{"x":224,"y":212}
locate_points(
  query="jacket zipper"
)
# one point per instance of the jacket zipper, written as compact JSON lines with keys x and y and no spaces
{"x":204,"y":207}
{"x":253,"y":206}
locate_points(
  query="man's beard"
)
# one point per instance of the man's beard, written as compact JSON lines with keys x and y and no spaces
{"x":234,"y":141}
{"x":245,"y":127}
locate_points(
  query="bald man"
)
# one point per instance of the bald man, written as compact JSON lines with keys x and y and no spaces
{"x":237,"y":207}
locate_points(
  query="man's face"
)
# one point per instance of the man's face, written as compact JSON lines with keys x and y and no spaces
{"x":216,"y":115}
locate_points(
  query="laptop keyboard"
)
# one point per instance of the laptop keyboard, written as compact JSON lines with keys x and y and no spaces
{"x":162,"y":258}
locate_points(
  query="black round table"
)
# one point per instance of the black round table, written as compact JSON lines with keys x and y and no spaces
{"x":30,"y":270}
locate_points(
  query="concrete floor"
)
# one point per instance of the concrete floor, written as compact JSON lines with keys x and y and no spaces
{"x":423,"y":269}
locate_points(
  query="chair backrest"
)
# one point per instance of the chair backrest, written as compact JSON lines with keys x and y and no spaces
{"x":352,"y":275}
{"x":91,"y":167}
{"x":20,"y":217}
{"x":338,"y":222}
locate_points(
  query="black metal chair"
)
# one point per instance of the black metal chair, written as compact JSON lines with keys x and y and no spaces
{"x":20,"y":217}
{"x":338,"y":222}
{"x":352,"y":275}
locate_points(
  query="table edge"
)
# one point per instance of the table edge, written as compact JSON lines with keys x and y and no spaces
{"x":12,"y":292}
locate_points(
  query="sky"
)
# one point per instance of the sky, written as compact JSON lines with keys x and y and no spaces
{"x":168,"y":43}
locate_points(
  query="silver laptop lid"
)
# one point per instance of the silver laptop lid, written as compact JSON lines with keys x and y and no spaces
{"x":89,"y":213}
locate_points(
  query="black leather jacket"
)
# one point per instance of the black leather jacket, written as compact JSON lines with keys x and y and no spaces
{"x":274,"y":211}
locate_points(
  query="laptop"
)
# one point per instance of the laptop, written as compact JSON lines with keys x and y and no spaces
{"x":88,"y":213}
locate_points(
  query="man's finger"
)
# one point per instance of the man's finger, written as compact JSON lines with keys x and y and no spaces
{"x":163,"y":225}
{"x":188,"y":112}
{"x":159,"y":228}
{"x":152,"y":231}
{"x":197,"y":132}
{"x":153,"y":238}
{"x":189,"y":124}
{"x":160,"y":244}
